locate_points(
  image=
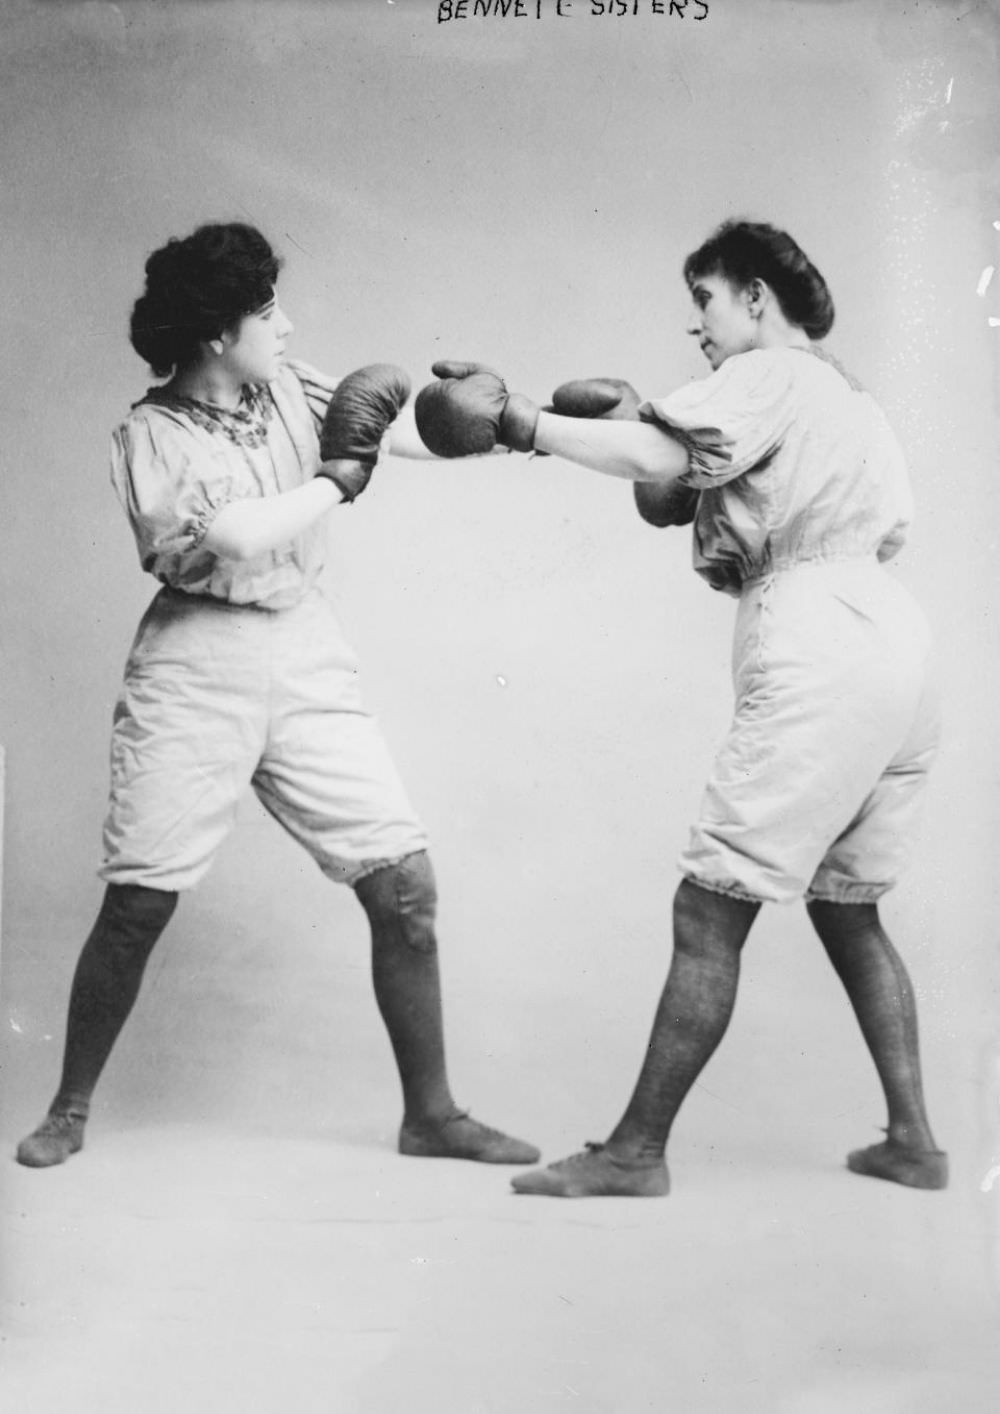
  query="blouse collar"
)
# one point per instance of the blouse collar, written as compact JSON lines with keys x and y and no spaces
{"x":246,"y":425}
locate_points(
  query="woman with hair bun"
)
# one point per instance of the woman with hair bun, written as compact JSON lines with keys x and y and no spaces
{"x":241,"y":675}
{"x":797,"y":491}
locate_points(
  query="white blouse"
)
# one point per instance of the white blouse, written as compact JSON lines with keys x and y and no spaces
{"x":176,"y":462}
{"x":794,"y":462}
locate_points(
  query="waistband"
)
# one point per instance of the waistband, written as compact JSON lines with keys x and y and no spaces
{"x":179,"y":598}
{"x":813,"y":566}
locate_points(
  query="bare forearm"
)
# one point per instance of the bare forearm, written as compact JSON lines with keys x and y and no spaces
{"x":405,"y":440}
{"x":634,"y":451}
{"x":244,"y":529}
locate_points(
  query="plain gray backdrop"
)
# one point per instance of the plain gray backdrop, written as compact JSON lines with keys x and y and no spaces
{"x":551,"y":676}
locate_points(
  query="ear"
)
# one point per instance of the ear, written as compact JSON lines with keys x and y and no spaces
{"x":217,"y":346}
{"x":756,"y":296}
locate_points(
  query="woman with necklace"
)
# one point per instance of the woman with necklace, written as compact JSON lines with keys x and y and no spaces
{"x":240,"y":673}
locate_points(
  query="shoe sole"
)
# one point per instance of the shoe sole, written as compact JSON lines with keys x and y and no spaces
{"x":418,"y":1149}
{"x":656,"y":1185}
{"x":28,"y":1162}
{"x":908,"y":1172}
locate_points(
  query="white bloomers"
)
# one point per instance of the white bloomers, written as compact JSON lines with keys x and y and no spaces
{"x":217,"y":697}
{"x":817,"y":786}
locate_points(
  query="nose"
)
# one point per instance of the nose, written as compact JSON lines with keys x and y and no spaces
{"x":694,"y":323}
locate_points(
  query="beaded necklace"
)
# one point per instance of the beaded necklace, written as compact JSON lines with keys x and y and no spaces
{"x":245,"y":425}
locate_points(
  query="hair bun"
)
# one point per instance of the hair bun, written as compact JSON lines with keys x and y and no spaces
{"x":747,"y":250}
{"x":197,"y":287}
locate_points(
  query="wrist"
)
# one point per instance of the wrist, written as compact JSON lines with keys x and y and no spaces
{"x":518,"y":423}
{"x":348,"y":475}
{"x":343,"y":466}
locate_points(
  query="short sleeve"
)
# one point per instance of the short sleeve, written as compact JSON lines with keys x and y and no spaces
{"x":731,"y":421}
{"x":172,"y":483}
{"x":318,"y":388}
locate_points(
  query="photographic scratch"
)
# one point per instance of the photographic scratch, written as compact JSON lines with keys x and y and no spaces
{"x":290,"y":237}
{"x":990,"y":1179}
{"x":679,"y":72}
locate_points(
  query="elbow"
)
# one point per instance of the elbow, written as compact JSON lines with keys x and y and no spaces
{"x":241,"y":550}
{"x":227,"y":543}
{"x":660,"y":460}
{"x":246,"y":547}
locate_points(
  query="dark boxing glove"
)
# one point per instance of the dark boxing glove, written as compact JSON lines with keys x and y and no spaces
{"x":614,"y":399}
{"x":468,"y":411}
{"x":610,"y":398}
{"x":364,"y":405}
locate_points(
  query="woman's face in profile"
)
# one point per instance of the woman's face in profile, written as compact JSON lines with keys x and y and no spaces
{"x":256,"y":347}
{"x":720,"y":318}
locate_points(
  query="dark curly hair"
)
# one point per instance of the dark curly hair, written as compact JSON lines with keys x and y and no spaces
{"x":196,"y":288}
{"x":743,"y":251}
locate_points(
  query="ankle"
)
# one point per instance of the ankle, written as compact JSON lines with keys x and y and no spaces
{"x":70,"y":1105}
{"x":430,"y":1116}
{"x":911,"y":1134}
{"x":634,"y":1147}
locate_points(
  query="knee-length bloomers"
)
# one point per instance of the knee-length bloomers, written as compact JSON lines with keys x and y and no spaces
{"x":804,"y":493}
{"x":240,"y":673}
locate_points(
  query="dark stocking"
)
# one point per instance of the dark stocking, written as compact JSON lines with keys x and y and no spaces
{"x":106,"y":984}
{"x":879,"y":989}
{"x":401,"y":901}
{"x":694,"y":1011}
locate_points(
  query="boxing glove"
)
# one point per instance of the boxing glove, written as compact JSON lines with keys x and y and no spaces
{"x":363,"y":407}
{"x":468,"y":412}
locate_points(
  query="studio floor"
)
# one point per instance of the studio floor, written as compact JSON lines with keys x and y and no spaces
{"x":239,"y":1232}
{"x":185,"y":1268}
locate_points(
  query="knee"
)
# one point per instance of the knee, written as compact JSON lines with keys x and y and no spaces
{"x":840,"y":922}
{"x":402,"y":898}
{"x":134,"y":916}
{"x":134,"y":903}
{"x":704,"y":918}
{"x":127,"y":929}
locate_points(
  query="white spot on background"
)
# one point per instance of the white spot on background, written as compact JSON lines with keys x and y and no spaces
{"x":984,"y":280}
{"x":501,"y":680}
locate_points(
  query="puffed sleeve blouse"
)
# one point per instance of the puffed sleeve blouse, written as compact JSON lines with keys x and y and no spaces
{"x":176,"y":462}
{"x":794,"y":462}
